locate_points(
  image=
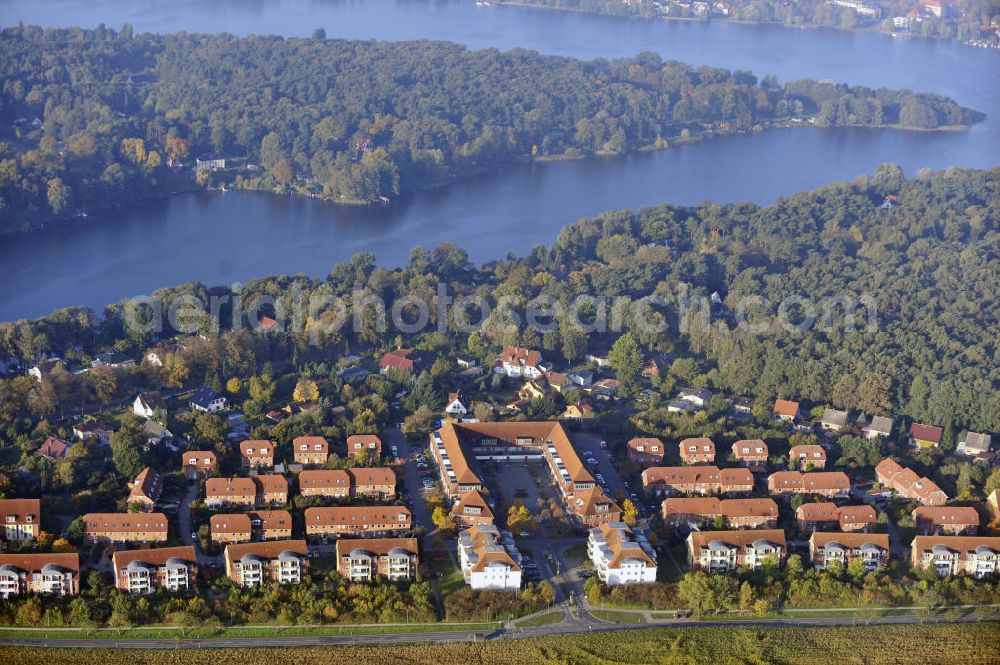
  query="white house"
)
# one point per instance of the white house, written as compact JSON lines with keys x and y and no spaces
{"x":975,"y":444}
{"x":879,"y":427}
{"x":458,"y":404}
{"x":519,"y":362}
{"x":206,"y":399}
{"x":146,"y":405}
{"x":489,"y":558}
{"x":621,"y":557}
{"x":210,"y":163}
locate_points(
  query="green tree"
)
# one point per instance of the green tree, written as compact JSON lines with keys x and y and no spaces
{"x":626,"y":359}
{"x":126,"y":447}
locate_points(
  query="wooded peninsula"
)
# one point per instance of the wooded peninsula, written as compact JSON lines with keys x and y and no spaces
{"x":96,"y":118}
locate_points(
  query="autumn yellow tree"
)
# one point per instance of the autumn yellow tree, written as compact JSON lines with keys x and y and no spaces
{"x":519,"y":517}
{"x":134,"y":150}
{"x":175,"y":371}
{"x":629,"y":512}
{"x":305,"y":391}
{"x":175,"y":147}
{"x":442,"y":519}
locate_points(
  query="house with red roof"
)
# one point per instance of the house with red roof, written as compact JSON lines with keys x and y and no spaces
{"x":400,"y":359}
{"x":925,"y":436}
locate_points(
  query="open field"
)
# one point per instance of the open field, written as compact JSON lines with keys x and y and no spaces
{"x":966,"y":644}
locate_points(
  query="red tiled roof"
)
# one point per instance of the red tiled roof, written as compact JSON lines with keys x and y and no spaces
{"x":783,"y":407}
{"x":926,"y":433}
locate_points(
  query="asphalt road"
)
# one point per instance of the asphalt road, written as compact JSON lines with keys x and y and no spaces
{"x":581,"y":623}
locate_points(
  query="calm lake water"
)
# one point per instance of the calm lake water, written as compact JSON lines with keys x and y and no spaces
{"x":224,"y":238}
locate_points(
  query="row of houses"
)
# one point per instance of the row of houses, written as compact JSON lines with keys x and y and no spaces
{"x":260,"y":454}
{"x":724,"y":551}
{"x":319,"y":522}
{"x":260,"y":491}
{"x":751,"y":453}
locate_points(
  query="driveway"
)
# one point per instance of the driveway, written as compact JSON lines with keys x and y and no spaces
{"x":586,"y":442}
{"x":410,"y":477}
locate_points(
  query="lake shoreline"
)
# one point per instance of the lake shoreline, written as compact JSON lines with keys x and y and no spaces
{"x":707,"y":135}
{"x":868,"y":30}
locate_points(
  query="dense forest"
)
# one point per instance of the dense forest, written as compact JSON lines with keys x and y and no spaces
{"x":95,"y":118}
{"x":969,"y":20}
{"x":930,"y":263}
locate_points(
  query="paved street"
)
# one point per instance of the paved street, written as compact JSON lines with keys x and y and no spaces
{"x":411,"y":477}
{"x":575,"y":621}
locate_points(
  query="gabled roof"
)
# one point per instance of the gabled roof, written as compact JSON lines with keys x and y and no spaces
{"x":947,"y":515}
{"x":978,"y":442}
{"x":851,"y":540}
{"x":928,"y":433}
{"x":199,"y":457}
{"x":381,"y":475}
{"x":226,"y":487}
{"x":35,"y":562}
{"x":357,"y":516}
{"x":147,"y":485}
{"x":811,"y":452}
{"x":377,"y":546}
{"x":834,"y":417}
{"x":810,"y":482}
{"x":697,"y":474}
{"x":203,"y":397}
{"x":53,"y":447}
{"x":20,"y":510}
{"x":783,"y":407}
{"x":740,"y":539}
{"x":311,"y":442}
{"x":271,"y":484}
{"x":260,"y":447}
{"x":154,"y":556}
{"x":585,"y":502}
{"x":324,"y":479}
{"x":269,"y":549}
{"x":229,"y":523}
{"x":880,"y":425}
{"x":964,"y":545}
{"x":515,"y":355}
{"x":124,"y":522}
{"x":752,"y":445}
{"x":472,"y":499}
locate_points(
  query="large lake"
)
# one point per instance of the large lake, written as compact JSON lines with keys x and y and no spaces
{"x":224,"y":238}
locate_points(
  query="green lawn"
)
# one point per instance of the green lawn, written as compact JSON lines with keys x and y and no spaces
{"x":670,"y":567}
{"x":451,"y":578}
{"x":541,"y":620}
{"x":618,"y":617}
